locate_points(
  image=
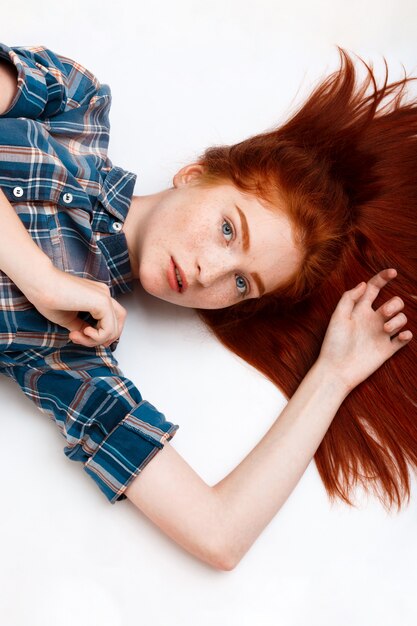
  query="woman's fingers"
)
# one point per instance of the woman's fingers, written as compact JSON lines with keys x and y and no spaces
{"x":109,"y":327}
{"x":349,"y":299}
{"x":121,"y":315}
{"x":401,"y":340}
{"x":376,"y":283}
{"x":366,"y":292}
{"x":395,"y":324}
{"x":77,"y":331}
{"x":390,"y":308}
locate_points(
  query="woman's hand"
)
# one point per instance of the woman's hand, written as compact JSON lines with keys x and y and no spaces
{"x":62,"y":296}
{"x":360,"y":339}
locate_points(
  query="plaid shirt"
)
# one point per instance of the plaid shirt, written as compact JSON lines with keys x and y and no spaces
{"x":55,"y":171}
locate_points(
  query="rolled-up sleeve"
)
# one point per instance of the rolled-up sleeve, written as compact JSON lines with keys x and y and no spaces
{"x":107,"y":424}
{"x":47,"y":83}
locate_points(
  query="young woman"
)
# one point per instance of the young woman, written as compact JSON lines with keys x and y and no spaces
{"x":267,"y":239}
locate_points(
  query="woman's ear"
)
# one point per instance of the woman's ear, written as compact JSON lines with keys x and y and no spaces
{"x":188,"y":173}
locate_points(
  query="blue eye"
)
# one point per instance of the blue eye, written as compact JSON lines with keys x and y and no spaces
{"x":227,"y":230}
{"x":241,"y":285}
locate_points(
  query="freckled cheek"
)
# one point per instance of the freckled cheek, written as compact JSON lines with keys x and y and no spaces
{"x":186,"y":233}
{"x":196,"y":245}
{"x":217,"y":298}
{"x":199,"y":237}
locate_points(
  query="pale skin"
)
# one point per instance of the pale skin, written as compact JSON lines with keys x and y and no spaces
{"x":217,"y":523}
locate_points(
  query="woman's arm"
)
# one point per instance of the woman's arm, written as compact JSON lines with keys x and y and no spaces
{"x":57,"y":295}
{"x":219,"y":524}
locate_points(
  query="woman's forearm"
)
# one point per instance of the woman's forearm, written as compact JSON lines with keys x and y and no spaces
{"x":256,"y":489}
{"x":20,"y":258}
{"x":219,"y":524}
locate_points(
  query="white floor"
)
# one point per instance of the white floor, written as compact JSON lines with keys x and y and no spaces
{"x":196,"y":73}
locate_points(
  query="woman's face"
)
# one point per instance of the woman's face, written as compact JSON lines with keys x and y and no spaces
{"x":210,"y":248}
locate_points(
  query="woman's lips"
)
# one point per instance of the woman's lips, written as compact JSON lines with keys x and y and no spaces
{"x":172,"y":277}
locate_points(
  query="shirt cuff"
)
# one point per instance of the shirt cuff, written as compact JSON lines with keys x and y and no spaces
{"x":39,"y":92}
{"x":128,"y":448}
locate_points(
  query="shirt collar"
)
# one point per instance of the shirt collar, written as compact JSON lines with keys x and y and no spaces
{"x":114,"y":248}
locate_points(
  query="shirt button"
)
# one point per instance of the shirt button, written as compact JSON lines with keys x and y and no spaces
{"x":67,"y":198}
{"x":117,"y":227}
{"x":18,"y":192}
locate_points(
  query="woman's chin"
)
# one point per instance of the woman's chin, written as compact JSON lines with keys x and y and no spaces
{"x":151,"y":288}
{"x":149,"y":282}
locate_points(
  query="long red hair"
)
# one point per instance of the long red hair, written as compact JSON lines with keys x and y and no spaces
{"x":345,"y":169}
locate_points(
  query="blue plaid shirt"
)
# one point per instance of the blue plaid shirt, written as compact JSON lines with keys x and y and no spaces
{"x":55,"y":171}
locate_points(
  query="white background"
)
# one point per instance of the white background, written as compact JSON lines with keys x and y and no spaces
{"x":186,"y":75}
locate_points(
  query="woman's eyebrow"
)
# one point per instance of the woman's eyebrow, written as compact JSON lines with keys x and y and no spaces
{"x":244,"y":228}
{"x":259,"y":283}
{"x":246,"y":242}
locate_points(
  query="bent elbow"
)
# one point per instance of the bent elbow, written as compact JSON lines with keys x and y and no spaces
{"x":211,"y":548}
{"x":222,"y":561}
{"x":228,"y":564}
{"x":224,"y":557}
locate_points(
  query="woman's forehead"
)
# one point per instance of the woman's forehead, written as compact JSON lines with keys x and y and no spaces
{"x":272,"y":249}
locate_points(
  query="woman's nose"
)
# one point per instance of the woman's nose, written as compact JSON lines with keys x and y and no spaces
{"x":212,"y":269}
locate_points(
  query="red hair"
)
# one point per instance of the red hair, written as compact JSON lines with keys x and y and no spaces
{"x":344,"y":168}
